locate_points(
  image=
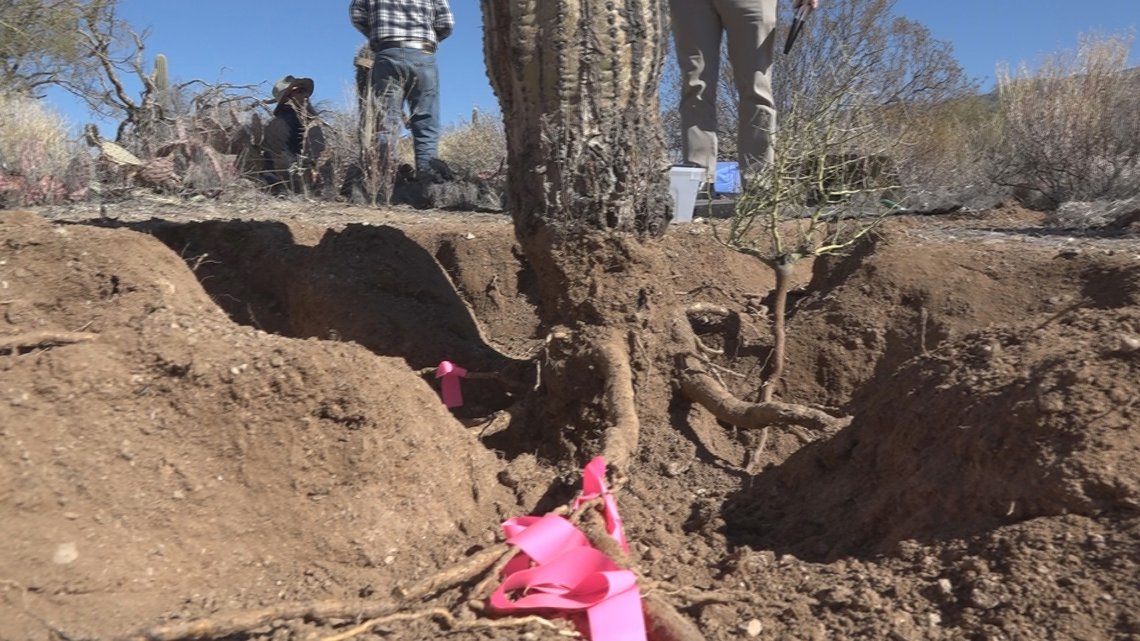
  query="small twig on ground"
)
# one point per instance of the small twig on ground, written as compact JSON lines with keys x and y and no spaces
{"x":436,"y":613}
{"x":475,"y":566}
{"x":707,"y":308}
{"x":1068,"y":310}
{"x":451,"y":623}
{"x":484,"y":376}
{"x":699,"y":288}
{"x":43,"y":338}
{"x":923,"y":318}
{"x":721,"y":368}
{"x":706,"y":349}
{"x":705,"y":596}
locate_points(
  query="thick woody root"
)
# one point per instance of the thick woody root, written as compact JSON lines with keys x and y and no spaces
{"x":702,"y":388}
{"x":243,"y":622}
{"x":223,"y":626}
{"x":43,"y":338}
{"x":613,"y":361}
{"x":663,"y":621}
{"x":448,"y":621}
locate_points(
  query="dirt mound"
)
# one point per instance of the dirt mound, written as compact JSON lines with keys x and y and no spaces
{"x":867,"y":313}
{"x":172,"y":461}
{"x":995,"y":428}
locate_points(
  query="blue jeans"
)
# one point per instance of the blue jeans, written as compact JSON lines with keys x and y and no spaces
{"x":405,"y":74}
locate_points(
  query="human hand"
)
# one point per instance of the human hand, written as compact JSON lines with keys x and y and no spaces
{"x":814,"y":4}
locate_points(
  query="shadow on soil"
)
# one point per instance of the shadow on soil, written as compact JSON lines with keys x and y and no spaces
{"x":368,"y":284}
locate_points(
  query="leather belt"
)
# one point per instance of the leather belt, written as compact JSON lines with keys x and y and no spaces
{"x":422,"y":45}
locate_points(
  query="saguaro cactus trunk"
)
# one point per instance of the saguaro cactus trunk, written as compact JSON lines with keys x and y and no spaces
{"x":578,"y":81}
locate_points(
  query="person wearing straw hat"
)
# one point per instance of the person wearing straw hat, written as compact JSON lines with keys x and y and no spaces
{"x":293,"y":140}
{"x":698,"y":26}
{"x":403,"y":36}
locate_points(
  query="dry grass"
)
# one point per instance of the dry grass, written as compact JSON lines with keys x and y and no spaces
{"x":39,"y":162}
{"x":1071,"y":128}
{"x":943,"y":146}
{"x":476,"y":147}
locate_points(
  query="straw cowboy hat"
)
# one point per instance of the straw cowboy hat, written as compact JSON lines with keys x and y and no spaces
{"x":282,"y":87}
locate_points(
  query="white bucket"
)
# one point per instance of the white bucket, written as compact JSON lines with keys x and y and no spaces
{"x":684,"y":183}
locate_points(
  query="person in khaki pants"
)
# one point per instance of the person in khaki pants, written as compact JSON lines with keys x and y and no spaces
{"x":697,"y":29}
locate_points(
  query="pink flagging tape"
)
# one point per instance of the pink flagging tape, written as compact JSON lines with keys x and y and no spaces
{"x":558,"y":571}
{"x":593,"y":486}
{"x":449,"y":374}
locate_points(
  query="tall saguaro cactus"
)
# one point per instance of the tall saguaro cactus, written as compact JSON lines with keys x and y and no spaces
{"x":577,"y":81}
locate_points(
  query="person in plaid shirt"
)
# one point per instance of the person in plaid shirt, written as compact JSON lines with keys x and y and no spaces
{"x":403,"y":36}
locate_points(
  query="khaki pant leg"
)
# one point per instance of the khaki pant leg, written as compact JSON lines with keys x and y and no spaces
{"x":697,"y":31}
{"x":751,"y":27}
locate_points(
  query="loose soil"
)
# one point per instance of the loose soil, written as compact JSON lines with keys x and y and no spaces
{"x":208,"y":409}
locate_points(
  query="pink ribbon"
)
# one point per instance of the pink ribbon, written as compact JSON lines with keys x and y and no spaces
{"x":449,"y":374}
{"x":593,"y":486}
{"x":558,"y":571}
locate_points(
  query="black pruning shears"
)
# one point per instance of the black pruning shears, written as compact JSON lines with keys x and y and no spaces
{"x":802,"y":13}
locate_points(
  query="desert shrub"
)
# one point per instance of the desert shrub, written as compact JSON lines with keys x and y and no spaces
{"x":1071,"y":128}
{"x":1102,"y":215}
{"x":193,"y":139}
{"x":944,"y":148}
{"x":477,"y":147}
{"x":38,"y":159}
{"x":834,"y":175}
{"x":363,"y":170}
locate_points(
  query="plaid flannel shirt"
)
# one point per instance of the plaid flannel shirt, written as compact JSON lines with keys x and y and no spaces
{"x":382,"y":20}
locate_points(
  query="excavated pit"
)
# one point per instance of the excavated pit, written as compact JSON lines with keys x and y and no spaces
{"x":255,"y":421}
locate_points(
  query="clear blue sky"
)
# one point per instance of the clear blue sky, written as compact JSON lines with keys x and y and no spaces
{"x":257,"y":42}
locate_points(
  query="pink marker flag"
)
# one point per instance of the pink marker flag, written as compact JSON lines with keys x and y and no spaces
{"x":593,"y":486}
{"x":449,"y":374}
{"x":558,"y":571}
{"x":580,"y":579}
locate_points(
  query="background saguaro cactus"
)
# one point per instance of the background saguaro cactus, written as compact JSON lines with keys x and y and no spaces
{"x":161,"y":73}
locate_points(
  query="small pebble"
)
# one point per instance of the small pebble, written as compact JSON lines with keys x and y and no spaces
{"x":1129,"y":343}
{"x":65,"y":553}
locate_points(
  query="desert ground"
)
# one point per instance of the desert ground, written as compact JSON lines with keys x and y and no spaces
{"x":221,"y":420}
